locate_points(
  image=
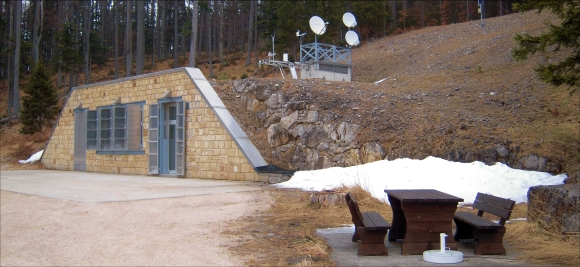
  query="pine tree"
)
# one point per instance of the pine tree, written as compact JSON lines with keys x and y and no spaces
{"x":39,"y":106}
{"x":566,"y":35}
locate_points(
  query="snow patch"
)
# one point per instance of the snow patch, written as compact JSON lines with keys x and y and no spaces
{"x":35,"y":157}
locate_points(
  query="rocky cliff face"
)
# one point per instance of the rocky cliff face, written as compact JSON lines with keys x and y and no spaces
{"x":298,"y":127}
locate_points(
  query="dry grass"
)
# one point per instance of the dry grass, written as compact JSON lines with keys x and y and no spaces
{"x":540,"y":246}
{"x":14,"y":147}
{"x":286,"y":233}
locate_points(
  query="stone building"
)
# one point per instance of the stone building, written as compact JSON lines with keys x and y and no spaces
{"x":166,"y":123}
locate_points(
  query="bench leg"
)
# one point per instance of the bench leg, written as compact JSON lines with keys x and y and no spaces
{"x":355,"y":236}
{"x":463,"y":230}
{"x":372,"y":242}
{"x":490,"y":242}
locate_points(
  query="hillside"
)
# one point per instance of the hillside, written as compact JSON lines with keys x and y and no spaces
{"x":445,"y":89}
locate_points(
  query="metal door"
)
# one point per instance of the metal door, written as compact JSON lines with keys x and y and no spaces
{"x":80,"y":140}
{"x":168,"y":139}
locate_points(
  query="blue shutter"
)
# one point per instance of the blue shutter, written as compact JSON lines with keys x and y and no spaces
{"x":180,"y":139}
{"x":153,"y":139}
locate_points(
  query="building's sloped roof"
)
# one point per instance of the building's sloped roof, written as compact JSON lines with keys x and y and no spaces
{"x":214,"y":101}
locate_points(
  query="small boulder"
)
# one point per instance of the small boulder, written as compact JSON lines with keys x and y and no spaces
{"x":277,"y":135}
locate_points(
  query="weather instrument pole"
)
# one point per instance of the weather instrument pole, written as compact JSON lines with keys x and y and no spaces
{"x":273,"y":53}
{"x":300,"y":36}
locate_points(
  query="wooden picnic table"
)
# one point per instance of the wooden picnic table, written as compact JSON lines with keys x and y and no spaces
{"x":419,"y":216}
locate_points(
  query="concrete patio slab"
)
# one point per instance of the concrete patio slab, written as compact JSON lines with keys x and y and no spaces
{"x":344,"y":253}
{"x":98,"y":187}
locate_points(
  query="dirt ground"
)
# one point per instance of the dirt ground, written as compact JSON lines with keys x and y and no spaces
{"x":180,"y":231}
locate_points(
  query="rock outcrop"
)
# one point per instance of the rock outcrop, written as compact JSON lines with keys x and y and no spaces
{"x":303,"y":134}
{"x":555,"y":207}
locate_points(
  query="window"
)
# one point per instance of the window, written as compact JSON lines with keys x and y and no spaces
{"x":104,"y":128}
{"x":115,"y":129}
{"x":92,"y":129}
{"x":120,"y":129}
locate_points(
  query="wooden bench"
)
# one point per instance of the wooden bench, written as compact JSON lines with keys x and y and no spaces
{"x":488,"y":234}
{"x":370,"y":228}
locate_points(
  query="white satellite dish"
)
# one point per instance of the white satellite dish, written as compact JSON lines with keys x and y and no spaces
{"x":349,"y":20}
{"x":317,"y":25}
{"x":352,"y":38}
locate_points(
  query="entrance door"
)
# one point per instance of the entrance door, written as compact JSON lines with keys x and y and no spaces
{"x":80,"y":140}
{"x":169,"y":138}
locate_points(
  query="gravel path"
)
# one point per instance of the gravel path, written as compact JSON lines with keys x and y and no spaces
{"x":181,"y":231}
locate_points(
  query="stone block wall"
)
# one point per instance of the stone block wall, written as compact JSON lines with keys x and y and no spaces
{"x":210,"y":151}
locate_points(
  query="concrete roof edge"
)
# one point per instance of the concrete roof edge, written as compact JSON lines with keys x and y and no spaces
{"x":128,"y":78}
{"x":226,"y":119}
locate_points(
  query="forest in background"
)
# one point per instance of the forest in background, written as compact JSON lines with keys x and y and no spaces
{"x":73,"y":38}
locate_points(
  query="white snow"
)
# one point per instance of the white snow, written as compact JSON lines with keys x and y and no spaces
{"x":463,"y":180}
{"x":35,"y":157}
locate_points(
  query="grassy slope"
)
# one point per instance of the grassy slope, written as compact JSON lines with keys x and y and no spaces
{"x":498,"y":99}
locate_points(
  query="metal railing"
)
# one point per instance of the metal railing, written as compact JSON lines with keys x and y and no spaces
{"x":325,"y":52}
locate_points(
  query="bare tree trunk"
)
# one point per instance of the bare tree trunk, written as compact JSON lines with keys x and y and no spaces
{"x":394,"y":14}
{"x":37,"y":30}
{"x":60,"y":12}
{"x":384,"y":20}
{"x":77,"y":37}
{"x":208,"y":19}
{"x":9,"y":61}
{"x":86,"y":35}
{"x":182,"y":38}
{"x":116,"y":22}
{"x":230,"y":31}
{"x":192,"y":45}
{"x":104,"y":8}
{"x":256,"y":33}
{"x":140,"y":38}
{"x":201,"y":35}
{"x":250,"y":30}
{"x":17,"y":31}
{"x":4,"y":10}
{"x":154,"y":35}
{"x":162,"y":23}
{"x":73,"y":72}
{"x":175,"y":34}
{"x":128,"y":39}
{"x":221,"y":30}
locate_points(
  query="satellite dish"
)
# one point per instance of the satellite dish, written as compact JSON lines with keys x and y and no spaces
{"x":317,"y":25}
{"x":352,"y":38}
{"x":349,"y":20}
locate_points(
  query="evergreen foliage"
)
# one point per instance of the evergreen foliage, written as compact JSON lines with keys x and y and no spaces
{"x":98,"y":52}
{"x":39,"y":106}
{"x":67,"y":51}
{"x":566,"y":35}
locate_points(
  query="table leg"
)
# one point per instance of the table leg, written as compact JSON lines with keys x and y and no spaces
{"x":398,"y":224}
{"x":425,"y":221}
